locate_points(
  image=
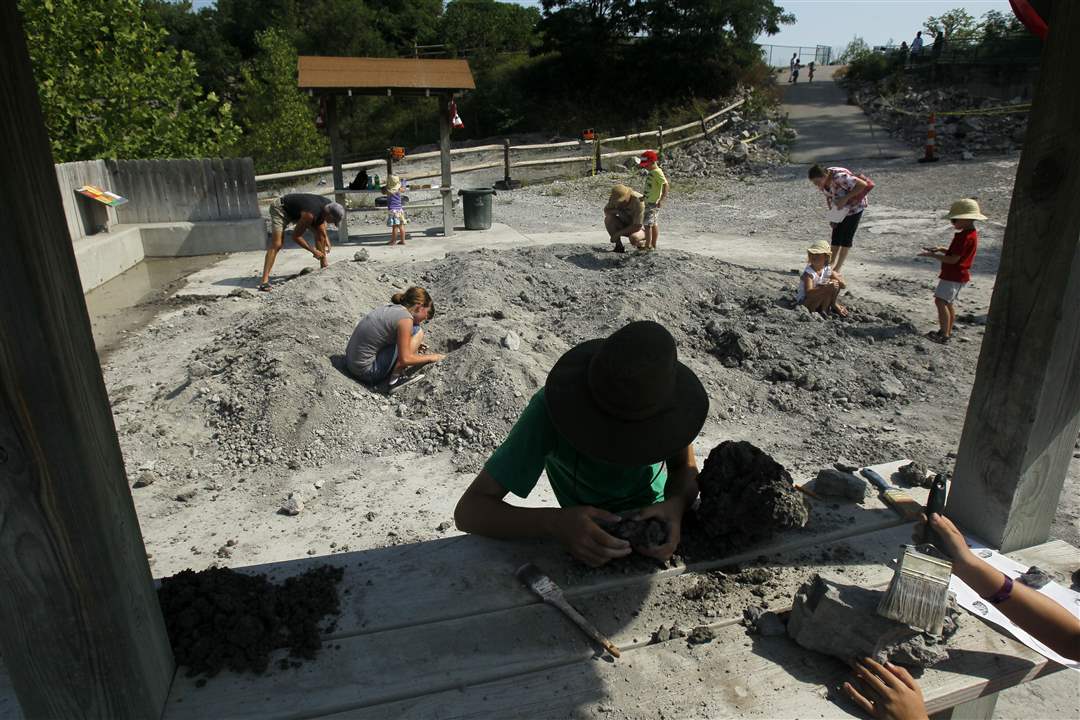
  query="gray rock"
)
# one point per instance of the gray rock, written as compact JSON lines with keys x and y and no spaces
{"x":842,"y":621}
{"x":764,"y":622}
{"x":145,"y":479}
{"x":361,"y":255}
{"x":294,"y":505}
{"x":240,"y":293}
{"x":198,"y":369}
{"x":887,"y":387}
{"x":511,"y":341}
{"x":186,"y":495}
{"x":837,"y":483}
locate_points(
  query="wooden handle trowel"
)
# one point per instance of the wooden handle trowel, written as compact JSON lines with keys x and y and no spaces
{"x":550,"y":593}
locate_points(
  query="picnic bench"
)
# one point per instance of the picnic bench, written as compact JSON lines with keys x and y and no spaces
{"x":443,"y":629}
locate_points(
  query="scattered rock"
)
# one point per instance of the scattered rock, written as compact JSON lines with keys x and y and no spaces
{"x":836,"y":483}
{"x":240,"y":293}
{"x":444,"y":526}
{"x":361,"y":255}
{"x":842,"y":621}
{"x":186,"y":495}
{"x":511,"y":341}
{"x":887,"y":387}
{"x":764,"y":622}
{"x":650,"y":533}
{"x":293,"y":505}
{"x":663,"y":634}
{"x":914,"y":475}
{"x":146,"y":479}
{"x":1036,"y":577}
{"x":700,"y":635}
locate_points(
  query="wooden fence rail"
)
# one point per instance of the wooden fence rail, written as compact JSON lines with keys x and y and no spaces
{"x":663,"y":135}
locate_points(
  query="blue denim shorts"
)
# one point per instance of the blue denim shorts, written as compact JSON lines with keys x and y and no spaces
{"x":384,"y":363}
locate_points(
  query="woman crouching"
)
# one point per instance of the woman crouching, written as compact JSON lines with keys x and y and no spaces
{"x":388,"y":342}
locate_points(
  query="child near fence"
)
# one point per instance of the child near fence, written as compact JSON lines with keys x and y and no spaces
{"x":395,"y":217}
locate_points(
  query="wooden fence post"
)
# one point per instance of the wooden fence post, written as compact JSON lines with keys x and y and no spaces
{"x":506,"y":163}
{"x":598,"y":165}
{"x":1024,"y":411}
{"x":81,"y":630}
{"x":335,"y":162}
{"x":389,"y":163}
{"x":445,"y":189}
{"x":660,"y":141}
{"x":704,"y":127}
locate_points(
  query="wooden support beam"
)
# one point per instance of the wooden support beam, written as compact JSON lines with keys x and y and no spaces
{"x":81,"y":631}
{"x":444,"y":164}
{"x":334,"y":132}
{"x":1024,"y":412}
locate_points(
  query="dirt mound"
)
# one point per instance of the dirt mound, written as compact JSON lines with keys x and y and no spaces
{"x":221,"y":619}
{"x":746,"y":496}
{"x":254,"y":390}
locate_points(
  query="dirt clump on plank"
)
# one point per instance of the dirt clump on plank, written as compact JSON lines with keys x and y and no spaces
{"x":746,"y":497}
{"x":220,"y":619}
{"x":649,"y":533}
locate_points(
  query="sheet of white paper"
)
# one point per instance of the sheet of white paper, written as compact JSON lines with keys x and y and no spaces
{"x":970,"y":601}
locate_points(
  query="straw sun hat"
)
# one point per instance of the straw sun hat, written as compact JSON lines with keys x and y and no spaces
{"x":966,"y":209}
{"x":821,"y":247}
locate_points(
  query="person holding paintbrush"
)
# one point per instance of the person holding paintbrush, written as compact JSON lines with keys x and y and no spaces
{"x":889,"y":691}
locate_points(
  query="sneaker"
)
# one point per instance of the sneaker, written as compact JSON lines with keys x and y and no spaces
{"x":265,"y":287}
{"x":396,"y":383}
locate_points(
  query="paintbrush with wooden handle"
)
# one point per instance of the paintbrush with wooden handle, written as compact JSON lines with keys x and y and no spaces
{"x":550,"y":593}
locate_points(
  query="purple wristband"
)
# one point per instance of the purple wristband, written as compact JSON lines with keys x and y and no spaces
{"x":1004,"y":593}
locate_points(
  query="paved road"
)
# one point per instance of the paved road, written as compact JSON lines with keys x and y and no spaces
{"x":830,"y":130}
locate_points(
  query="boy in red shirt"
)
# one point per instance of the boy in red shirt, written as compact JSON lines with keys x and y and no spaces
{"x":955,"y":264}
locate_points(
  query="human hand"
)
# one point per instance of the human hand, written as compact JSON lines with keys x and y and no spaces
{"x":576,"y":529}
{"x":436,"y":357}
{"x":926,"y":253}
{"x":891,"y":692}
{"x":671,"y":512}
{"x":952,"y":540}
{"x":318,"y":254}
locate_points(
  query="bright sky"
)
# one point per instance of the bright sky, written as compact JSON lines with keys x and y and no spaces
{"x":835,"y":22}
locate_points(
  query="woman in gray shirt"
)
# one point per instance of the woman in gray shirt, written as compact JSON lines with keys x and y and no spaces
{"x":388,"y":339}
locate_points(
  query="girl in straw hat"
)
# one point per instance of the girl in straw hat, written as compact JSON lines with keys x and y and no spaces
{"x":395,"y":207}
{"x":955,"y":264}
{"x":819,"y":284}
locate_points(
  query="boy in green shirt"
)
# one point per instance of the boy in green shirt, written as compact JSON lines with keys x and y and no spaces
{"x":612,"y":427}
{"x":656,"y":189}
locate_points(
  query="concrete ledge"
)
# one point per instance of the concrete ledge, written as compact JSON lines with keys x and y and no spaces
{"x":173,"y":239}
{"x":103,"y":256}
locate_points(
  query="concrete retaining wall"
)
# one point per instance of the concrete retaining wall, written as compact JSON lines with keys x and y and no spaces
{"x":174,"y":208}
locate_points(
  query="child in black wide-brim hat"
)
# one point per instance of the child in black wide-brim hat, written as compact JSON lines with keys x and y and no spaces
{"x":613,"y":427}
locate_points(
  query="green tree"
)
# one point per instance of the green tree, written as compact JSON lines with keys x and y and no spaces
{"x":278,"y":120}
{"x":486,"y":26}
{"x":996,"y":25}
{"x":112,"y":87}
{"x":857,"y":49}
{"x":956,"y":24}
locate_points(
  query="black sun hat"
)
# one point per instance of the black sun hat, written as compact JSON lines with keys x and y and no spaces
{"x":626,"y":399}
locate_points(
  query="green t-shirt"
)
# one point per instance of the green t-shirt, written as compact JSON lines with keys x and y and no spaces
{"x":654,"y":185}
{"x":535,"y":445}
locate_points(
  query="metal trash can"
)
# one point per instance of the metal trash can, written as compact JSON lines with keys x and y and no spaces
{"x":476,"y":204}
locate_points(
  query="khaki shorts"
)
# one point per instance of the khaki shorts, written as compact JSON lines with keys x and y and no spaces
{"x":948,"y":290}
{"x":278,"y":221}
{"x":652,"y":214}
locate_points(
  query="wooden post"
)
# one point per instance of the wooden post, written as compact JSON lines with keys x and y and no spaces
{"x":334,"y":133}
{"x":660,"y":140}
{"x":598,"y":164}
{"x":389,"y":163}
{"x":704,"y":127}
{"x":81,"y":631}
{"x":1024,"y":412}
{"x":506,"y":163}
{"x":444,"y":161}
